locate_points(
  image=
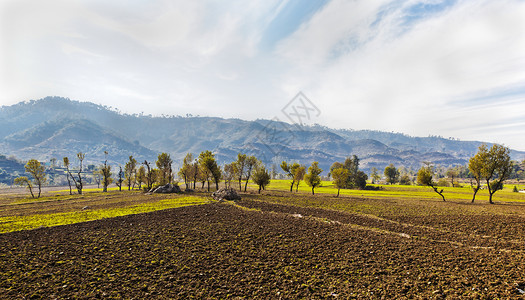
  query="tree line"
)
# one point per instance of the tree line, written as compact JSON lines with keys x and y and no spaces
{"x":490,"y":166}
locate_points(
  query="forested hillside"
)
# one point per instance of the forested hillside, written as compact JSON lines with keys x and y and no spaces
{"x":54,"y":127}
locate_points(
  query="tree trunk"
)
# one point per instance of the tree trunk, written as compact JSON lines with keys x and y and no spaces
{"x":338,"y":192}
{"x":440,"y":193}
{"x":259,"y":189}
{"x":217,"y":185}
{"x":69,"y":182}
{"x":490,"y":192}
{"x":313,"y":191}
{"x":475,"y":192}
{"x":31,"y":191}
{"x":246,"y":185}
{"x":240,"y":184}
{"x":208,"y":184}
{"x":291,"y":187}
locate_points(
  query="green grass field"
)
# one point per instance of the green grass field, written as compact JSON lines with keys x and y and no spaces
{"x":20,"y":212}
{"x":405,"y":191}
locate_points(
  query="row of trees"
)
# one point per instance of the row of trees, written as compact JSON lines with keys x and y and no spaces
{"x":489,"y":166}
{"x":492,"y":166}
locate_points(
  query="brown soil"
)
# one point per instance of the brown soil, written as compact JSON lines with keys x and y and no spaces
{"x":269,"y":252}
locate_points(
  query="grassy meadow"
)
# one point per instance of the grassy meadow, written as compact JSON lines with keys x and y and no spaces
{"x":20,"y":212}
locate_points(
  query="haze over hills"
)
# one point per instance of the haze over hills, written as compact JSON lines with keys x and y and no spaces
{"x":55,"y":127}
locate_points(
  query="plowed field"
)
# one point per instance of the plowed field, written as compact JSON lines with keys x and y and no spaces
{"x":257,"y":249}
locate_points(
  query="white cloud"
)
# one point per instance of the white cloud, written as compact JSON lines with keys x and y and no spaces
{"x":457,"y":69}
{"x":409,"y":79}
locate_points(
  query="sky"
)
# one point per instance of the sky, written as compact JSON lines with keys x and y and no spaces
{"x":450,"y":68}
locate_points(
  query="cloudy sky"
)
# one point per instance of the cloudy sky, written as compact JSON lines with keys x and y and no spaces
{"x":449,"y":68}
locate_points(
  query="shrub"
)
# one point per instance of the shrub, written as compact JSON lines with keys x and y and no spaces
{"x":405,"y":180}
{"x":443,"y":182}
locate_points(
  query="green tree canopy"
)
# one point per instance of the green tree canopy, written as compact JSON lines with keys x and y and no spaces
{"x":261,"y":176}
{"x":425,"y":177}
{"x":312,"y":178}
{"x":391,"y":174}
{"x":340,"y":177}
{"x":36,"y":170}
{"x":164,"y":162}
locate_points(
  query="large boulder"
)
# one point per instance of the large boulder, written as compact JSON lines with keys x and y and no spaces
{"x":167,"y":189}
{"x":226,"y":194}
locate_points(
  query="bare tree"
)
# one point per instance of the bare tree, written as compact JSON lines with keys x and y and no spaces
{"x":78,"y":182}
{"x":106,"y":174}
{"x":68,"y":174}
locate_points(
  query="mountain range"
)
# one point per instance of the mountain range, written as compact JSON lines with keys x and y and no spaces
{"x":54,"y":127}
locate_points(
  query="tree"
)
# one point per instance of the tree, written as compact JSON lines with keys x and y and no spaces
{"x":228,"y":174}
{"x":496,"y":169}
{"x":68,"y":173}
{"x":141,"y":176}
{"x":209,"y":168}
{"x":129,"y":171}
{"x":240,"y":163}
{"x":120,"y":178}
{"x":36,"y":170}
{"x":251,"y":162}
{"x":298,"y":175}
{"x":24,"y":181}
{"x":81,"y":156}
{"x":97,"y":175}
{"x":476,"y":165}
{"x":289,"y":169}
{"x":187,"y":169}
{"x":391,"y":174}
{"x":374,"y":175}
{"x":195,"y":172}
{"x":77,"y":181}
{"x":312,"y":178}
{"x":150,"y":175}
{"x":352,"y":165}
{"x":404,"y":180}
{"x":360,"y":180}
{"x":452,"y":173}
{"x":355,"y":178}
{"x":424,"y":177}
{"x":216,"y":173}
{"x":106,"y":174}
{"x":261,"y":176}
{"x":164,"y":162}
{"x":340,"y":178}
{"x":274,"y":171}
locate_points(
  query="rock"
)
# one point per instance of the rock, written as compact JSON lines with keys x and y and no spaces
{"x":86,"y":207}
{"x":225,"y":194}
{"x":167,"y":189}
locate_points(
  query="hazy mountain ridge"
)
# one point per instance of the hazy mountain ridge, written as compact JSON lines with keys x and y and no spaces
{"x":57,"y":127}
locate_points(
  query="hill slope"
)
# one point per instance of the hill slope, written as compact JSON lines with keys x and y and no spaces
{"x":57,"y":127}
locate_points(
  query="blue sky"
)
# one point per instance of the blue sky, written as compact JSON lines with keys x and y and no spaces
{"x":454,"y":68}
